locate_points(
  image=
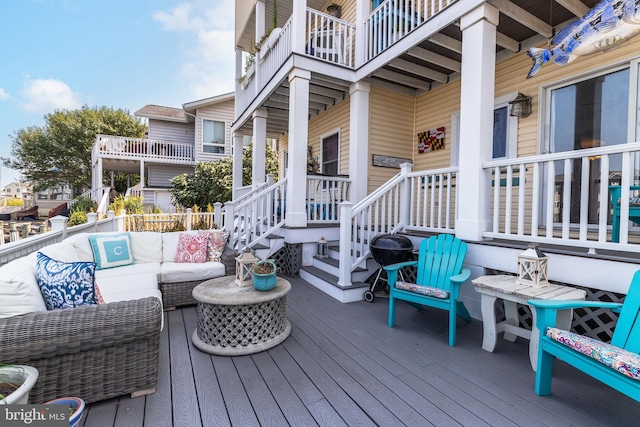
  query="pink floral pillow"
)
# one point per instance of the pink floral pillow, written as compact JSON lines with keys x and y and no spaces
{"x":191,"y":248}
{"x":217,"y":240}
{"x":97,"y":294}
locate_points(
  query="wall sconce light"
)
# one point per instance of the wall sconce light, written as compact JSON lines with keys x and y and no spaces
{"x":334,"y":10}
{"x":521,"y":106}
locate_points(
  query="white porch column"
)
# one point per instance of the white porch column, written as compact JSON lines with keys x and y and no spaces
{"x":298,"y":26}
{"x":236,"y":180}
{"x":476,"y":120}
{"x":362,"y":10}
{"x":296,"y":215}
{"x":358,"y":140}
{"x":112,"y":179}
{"x":141,"y":174}
{"x":99,"y":172}
{"x":258,"y":166}
{"x":260,"y":19}
{"x":239,"y":72}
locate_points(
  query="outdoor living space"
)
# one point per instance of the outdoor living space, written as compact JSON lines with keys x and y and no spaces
{"x":342,"y":365}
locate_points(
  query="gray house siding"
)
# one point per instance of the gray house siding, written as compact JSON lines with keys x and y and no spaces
{"x":159,"y":175}
{"x":222,"y":112}
{"x":171,"y":131}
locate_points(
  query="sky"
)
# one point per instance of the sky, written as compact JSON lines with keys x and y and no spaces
{"x":123,"y":54}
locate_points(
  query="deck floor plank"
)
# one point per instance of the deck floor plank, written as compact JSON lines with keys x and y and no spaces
{"x":342,"y":365}
{"x":157,"y":410}
{"x":183,"y":389}
{"x":210,"y":401}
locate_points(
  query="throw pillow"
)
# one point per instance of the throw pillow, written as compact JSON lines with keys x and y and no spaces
{"x":216,"y":241}
{"x":98,"y":295}
{"x":65,"y":284}
{"x":111,"y":250}
{"x":192,"y":248}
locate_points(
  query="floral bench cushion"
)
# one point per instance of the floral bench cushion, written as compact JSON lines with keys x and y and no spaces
{"x":424,"y":290}
{"x":623,"y":361}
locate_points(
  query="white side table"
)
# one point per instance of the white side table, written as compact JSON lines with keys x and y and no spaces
{"x":505,"y":287}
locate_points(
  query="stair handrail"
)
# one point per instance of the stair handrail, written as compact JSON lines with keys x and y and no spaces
{"x":255,"y":190}
{"x":357,"y":225}
{"x":254,"y":219}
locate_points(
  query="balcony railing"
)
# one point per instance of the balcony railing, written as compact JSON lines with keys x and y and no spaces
{"x":142,"y":148}
{"x":564,"y":198}
{"x":329,"y":38}
{"x":394,"y":19}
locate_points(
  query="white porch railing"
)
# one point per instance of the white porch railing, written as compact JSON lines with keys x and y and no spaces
{"x":141,"y":148}
{"x":324,"y":195}
{"x":418,"y":201}
{"x":329,"y":38}
{"x":564,"y":198}
{"x":254,"y":219}
{"x":394,"y":19}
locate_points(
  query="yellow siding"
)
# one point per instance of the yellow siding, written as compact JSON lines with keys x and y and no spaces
{"x":390,"y":131}
{"x":348,"y":9}
{"x":244,"y":10}
{"x":434,"y":110}
{"x":335,"y":119}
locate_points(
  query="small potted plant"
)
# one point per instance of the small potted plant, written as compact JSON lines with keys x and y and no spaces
{"x":16,"y":381}
{"x":76,"y":408}
{"x":264,"y":275}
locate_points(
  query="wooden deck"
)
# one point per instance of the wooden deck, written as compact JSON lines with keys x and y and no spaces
{"x":342,"y":365}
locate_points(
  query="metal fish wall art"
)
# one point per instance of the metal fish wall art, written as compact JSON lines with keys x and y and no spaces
{"x":604,"y":27}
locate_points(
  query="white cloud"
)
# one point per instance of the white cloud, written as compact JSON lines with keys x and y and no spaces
{"x":209,"y":66}
{"x":47,"y":95}
{"x":3,"y":94}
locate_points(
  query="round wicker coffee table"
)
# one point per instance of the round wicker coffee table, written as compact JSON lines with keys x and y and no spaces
{"x":234,"y":320}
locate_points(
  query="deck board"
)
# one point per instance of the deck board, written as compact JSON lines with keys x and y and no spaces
{"x":342,"y":365}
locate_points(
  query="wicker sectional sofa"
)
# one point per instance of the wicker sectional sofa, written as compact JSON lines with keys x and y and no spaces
{"x":103,"y":350}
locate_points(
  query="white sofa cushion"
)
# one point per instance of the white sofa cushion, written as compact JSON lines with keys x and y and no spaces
{"x":63,"y":252}
{"x":19,"y":291}
{"x":131,"y":269}
{"x":130,"y":287}
{"x":146,"y":246}
{"x":176,"y":272}
{"x":82,"y":246}
{"x":170,"y":244}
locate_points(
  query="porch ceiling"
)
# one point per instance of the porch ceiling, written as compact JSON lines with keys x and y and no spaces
{"x":433,"y":61}
{"x":437,"y":60}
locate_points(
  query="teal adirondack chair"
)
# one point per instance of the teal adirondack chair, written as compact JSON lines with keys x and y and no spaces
{"x":616,"y":364}
{"x":439,"y":278}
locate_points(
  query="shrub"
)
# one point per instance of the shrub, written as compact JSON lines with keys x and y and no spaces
{"x":77,"y":217}
{"x":133,"y":205}
{"x":14,"y":201}
{"x":84,"y":204}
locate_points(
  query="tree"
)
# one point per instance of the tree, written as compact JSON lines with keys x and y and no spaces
{"x":212,"y":181}
{"x":60,"y":151}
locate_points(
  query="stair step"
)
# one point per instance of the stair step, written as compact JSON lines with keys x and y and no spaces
{"x":336,"y":263}
{"x":330,"y":278}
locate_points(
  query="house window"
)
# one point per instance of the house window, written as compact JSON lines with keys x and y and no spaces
{"x":590,"y":113}
{"x":330,"y":153}
{"x":213,"y":137}
{"x":500,"y":122}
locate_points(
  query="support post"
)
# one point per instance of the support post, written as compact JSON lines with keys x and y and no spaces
{"x":344,"y":274}
{"x":359,"y":140}
{"x":229,"y":217}
{"x":298,"y":26}
{"x":405,"y":169}
{"x":259,"y":147}
{"x":476,"y":120}
{"x":298,"y":137}
{"x":59,"y":223}
{"x":217,"y":214}
{"x":237,"y":164}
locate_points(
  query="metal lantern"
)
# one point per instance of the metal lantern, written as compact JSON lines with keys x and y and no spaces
{"x":521,"y":106}
{"x":244,"y":268}
{"x":323,"y":248}
{"x":533,"y":268}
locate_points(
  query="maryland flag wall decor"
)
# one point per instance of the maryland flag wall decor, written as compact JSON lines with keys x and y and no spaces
{"x":431,"y":140}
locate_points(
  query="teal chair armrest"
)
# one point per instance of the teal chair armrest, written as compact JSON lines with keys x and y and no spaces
{"x":392,"y":271}
{"x":462,"y":277}
{"x":546,"y":310}
{"x":398,"y":266}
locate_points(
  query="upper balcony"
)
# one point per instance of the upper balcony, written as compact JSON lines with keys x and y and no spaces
{"x":336,"y":40}
{"x":111,"y":147}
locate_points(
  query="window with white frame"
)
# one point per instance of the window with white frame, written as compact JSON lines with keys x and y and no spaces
{"x":330,"y":148}
{"x":213,"y":137}
{"x":589,"y":112}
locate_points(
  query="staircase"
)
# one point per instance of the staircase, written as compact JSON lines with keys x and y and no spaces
{"x":323,"y":274}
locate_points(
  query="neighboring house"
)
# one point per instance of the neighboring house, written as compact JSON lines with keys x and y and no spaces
{"x":18,"y":190}
{"x":366,"y":86}
{"x":176,"y":140}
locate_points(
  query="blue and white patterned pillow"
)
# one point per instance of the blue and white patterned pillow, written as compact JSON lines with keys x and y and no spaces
{"x":65,"y":284}
{"x":111,"y":250}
